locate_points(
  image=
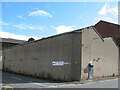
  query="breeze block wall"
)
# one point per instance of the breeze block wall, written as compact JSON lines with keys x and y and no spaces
{"x":37,"y":58}
{"x":103,"y":52}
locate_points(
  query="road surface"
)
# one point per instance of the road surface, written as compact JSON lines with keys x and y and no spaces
{"x":11,"y":80}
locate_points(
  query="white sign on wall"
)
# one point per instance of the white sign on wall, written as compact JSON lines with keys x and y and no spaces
{"x":59,"y":63}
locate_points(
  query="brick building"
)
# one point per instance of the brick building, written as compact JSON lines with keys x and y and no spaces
{"x":107,"y":29}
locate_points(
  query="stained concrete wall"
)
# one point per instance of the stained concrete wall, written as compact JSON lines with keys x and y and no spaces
{"x":76,"y":55}
{"x":75,"y":48}
{"x":7,"y":43}
{"x":36,"y":58}
{"x":0,"y":60}
{"x":103,"y":53}
{"x":0,"y":54}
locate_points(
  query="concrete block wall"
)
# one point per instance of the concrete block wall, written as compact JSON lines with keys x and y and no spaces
{"x":36,"y":58}
{"x":75,"y":48}
{"x":0,"y":54}
{"x":111,"y":57}
{"x":103,"y":53}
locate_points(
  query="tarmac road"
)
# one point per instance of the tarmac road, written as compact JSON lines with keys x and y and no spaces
{"x":11,"y":80}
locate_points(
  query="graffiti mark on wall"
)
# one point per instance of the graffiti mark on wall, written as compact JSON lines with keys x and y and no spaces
{"x":98,"y":69}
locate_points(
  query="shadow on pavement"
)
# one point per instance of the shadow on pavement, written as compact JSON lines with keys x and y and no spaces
{"x":11,"y":78}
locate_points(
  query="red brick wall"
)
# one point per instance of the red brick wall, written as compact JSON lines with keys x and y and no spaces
{"x":106,"y":29}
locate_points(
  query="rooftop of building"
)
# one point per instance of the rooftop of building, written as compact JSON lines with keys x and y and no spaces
{"x":108,"y":22}
{"x":9,"y":40}
{"x":21,"y":42}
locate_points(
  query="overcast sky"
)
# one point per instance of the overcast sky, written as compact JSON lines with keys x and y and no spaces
{"x":22,"y":20}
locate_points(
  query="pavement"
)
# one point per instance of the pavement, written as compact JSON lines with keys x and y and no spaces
{"x":11,"y":80}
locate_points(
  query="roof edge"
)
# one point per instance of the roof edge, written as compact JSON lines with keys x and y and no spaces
{"x":97,"y":33}
{"x":107,"y":22}
{"x":112,"y":40}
